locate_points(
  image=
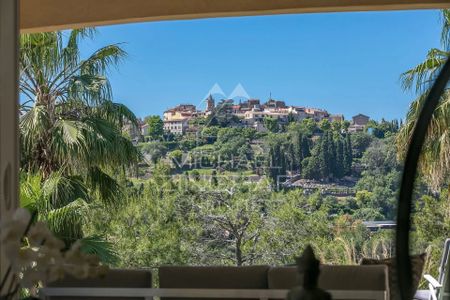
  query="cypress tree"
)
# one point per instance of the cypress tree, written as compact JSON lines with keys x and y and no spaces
{"x":291,"y":157}
{"x":322,"y":166}
{"x":331,"y":154}
{"x":281,"y":158}
{"x":304,"y":145}
{"x":214,"y":181}
{"x":276,"y":163}
{"x":271,"y":164}
{"x":339,"y":166}
{"x":297,"y":144}
{"x":348,"y":156}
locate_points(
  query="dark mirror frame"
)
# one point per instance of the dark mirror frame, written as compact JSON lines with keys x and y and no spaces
{"x":404,"y":207}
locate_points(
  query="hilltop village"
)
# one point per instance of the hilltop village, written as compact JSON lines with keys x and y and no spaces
{"x":252,"y":113}
{"x":291,"y":146}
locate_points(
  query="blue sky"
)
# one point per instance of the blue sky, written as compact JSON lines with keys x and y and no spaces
{"x":346,"y":63}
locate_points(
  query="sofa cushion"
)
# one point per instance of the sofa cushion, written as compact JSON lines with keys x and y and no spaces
{"x":114,"y":278}
{"x":248,"y":277}
{"x":283,"y":278}
{"x":417,"y":264}
{"x":334,"y":277}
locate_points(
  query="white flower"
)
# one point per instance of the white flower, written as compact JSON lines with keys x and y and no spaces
{"x":49,"y":257}
{"x":24,"y":259}
{"x":32,"y":277}
{"x":41,"y":260}
{"x":38,"y":234}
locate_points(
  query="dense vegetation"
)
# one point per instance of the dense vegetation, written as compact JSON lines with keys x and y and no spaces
{"x":222,"y":195}
{"x":216,"y":216}
{"x":219,"y":197}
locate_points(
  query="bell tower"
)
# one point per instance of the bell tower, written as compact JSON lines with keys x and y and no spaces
{"x":210,"y":103}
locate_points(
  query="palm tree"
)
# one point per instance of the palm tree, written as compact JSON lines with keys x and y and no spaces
{"x":61,"y":203}
{"x":70,"y":129}
{"x":435,"y":161}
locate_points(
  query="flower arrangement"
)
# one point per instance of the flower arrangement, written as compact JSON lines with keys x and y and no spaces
{"x":36,"y":256}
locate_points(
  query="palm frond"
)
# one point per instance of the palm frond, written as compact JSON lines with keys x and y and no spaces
{"x":115,"y":113}
{"x":67,"y":221}
{"x":71,"y":53}
{"x":103,"y":59}
{"x":104,"y":250}
{"x":110,"y":147}
{"x":69,"y":142}
{"x":445,"y":35}
{"x":62,"y":190}
{"x":34,"y":123}
{"x":39,"y":57}
{"x":30,"y":191}
{"x":435,"y":159}
{"x":98,"y":65}
{"x":422,"y":76}
{"x":109,"y":191}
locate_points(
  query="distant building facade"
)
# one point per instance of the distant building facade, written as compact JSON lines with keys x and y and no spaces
{"x":178,"y":127}
{"x":358,"y":123}
{"x":210,"y":104}
{"x":336,"y":118}
{"x":317,"y":114}
{"x":176,"y":120}
{"x":251,"y":114}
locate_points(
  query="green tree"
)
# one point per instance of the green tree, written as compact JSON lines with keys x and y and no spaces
{"x":292,"y":222}
{"x":339,"y":168}
{"x":324,"y":157}
{"x":300,"y":148}
{"x":331,"y":155}
{"x":155,"y":222}
{"x":304,"y":147}
{"x":348,"y":155}
{"x":336,"y":126}
{"x":308,"y":126}
{"x":233,"y":221}
{"x":271,"y":124}
{"x":276,"y":163}
{"x":291,"y":159}
{"x":382,"y":129}
{"x":233,"y":146}
{"x":154,"y":151}
{"x":310,"y":168}
{"x":155,"y":127}
{"x":435,"y":152}
{"x":325,"y":125}
{"x":431,"y":221}
{"x":214,"y":181}
{"x":345,"y":125}
{"x":380,"y":180}
{"x":177,"y":158}
{"x":210,"y":134}
{"x":315,"y":166}
{"x":359,"y":142}
{"x":70,"y":129}
{"x":63,"y":203}
{"x":195,"y":175}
